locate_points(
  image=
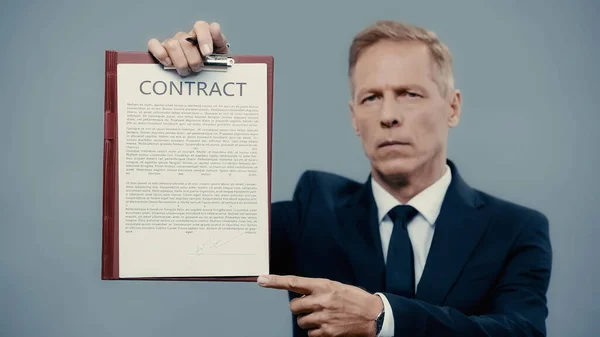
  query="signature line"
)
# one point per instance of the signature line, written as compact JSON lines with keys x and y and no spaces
{"x":210,"y":244}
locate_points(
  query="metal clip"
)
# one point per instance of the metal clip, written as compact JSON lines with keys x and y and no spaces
{"x":214,"y":62}
{"x":219,"y":62}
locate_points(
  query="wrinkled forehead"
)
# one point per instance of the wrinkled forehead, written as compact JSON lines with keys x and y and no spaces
{"x":390,"y":63}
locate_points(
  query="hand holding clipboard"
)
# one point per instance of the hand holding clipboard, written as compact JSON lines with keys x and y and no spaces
{"x":204,"y":46}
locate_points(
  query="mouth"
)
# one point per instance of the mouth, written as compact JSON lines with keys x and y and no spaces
{"x":392,"y":143}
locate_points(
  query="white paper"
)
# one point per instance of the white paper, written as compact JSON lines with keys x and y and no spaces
{"x":193,"y":172}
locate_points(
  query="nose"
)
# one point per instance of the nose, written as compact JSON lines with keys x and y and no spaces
{"x":390,"y":114}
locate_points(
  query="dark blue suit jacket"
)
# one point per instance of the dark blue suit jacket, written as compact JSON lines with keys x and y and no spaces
{"x":487,"y":272}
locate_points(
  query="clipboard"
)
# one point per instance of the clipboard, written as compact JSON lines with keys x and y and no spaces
{"x":110,"y":198}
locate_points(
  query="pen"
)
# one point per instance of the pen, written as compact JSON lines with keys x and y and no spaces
{"x":194,"y":41}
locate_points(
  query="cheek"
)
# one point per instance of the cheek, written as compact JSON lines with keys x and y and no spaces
{"x":429,"y":130}
{"x":366,"y":129}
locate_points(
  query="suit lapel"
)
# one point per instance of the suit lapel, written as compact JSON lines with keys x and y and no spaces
{"x":358,"y":218}
{"x":458,"y":229}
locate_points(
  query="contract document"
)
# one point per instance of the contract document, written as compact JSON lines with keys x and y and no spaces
{"x":187,"y":164}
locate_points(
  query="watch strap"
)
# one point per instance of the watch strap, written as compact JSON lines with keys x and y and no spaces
{"x":379,"y":321}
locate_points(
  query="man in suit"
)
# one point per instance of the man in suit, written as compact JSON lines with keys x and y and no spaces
{"x":413,"y":250}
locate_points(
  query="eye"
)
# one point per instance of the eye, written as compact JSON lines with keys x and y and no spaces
{"x":410,"y":94}
{"x":369,"y":98}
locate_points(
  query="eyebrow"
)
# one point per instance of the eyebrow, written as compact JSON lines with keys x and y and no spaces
{"x":404,"y":87}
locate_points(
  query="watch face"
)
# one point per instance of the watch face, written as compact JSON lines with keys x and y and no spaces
{"x":380,"y":321}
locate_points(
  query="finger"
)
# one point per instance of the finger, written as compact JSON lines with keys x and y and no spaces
{"x":306,"y":305}
{"x":191,"y":52}
{"x":297,"y":284}
{"x":173,"y":47}
{"x":317,"y":333}
{"x":219,"y":40}
{"x":310,"y":321}
{"x":205,"y":42}
{"x":159,"y":52}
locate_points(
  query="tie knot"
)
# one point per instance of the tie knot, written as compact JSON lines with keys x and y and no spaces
{"x":402,"y":214}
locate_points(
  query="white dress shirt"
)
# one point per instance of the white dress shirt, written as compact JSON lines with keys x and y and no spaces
{"x":420,"y":230}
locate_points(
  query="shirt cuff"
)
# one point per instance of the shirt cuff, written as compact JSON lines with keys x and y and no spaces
{"x":388,"y":320}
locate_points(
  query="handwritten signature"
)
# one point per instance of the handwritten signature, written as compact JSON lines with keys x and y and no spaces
{"x":213,"y":244}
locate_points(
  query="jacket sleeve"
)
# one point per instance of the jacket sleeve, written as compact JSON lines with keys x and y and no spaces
{"x":286,"y":227}
{"x":518,"y":301}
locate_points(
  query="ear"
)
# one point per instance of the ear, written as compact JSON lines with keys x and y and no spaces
{"x":353,"y":115}
{"x":455,"y":103}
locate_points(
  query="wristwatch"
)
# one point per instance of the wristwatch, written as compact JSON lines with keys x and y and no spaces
{"x":379,"y":321}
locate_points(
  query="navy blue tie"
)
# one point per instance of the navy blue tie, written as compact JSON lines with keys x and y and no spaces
{"x":400,"y":271}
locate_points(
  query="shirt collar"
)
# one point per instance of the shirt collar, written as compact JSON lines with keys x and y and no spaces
{"x":428,"y":202}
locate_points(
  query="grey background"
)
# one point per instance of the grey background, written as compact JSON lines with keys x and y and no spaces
{"x":527,"y":70}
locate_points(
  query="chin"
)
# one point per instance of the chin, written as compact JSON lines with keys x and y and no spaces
{"x":395,"y":169}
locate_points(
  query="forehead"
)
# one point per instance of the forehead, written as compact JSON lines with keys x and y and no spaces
{"x":390,"y":63}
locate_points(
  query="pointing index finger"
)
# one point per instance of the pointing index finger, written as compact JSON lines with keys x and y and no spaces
{"x":297,"y":284}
